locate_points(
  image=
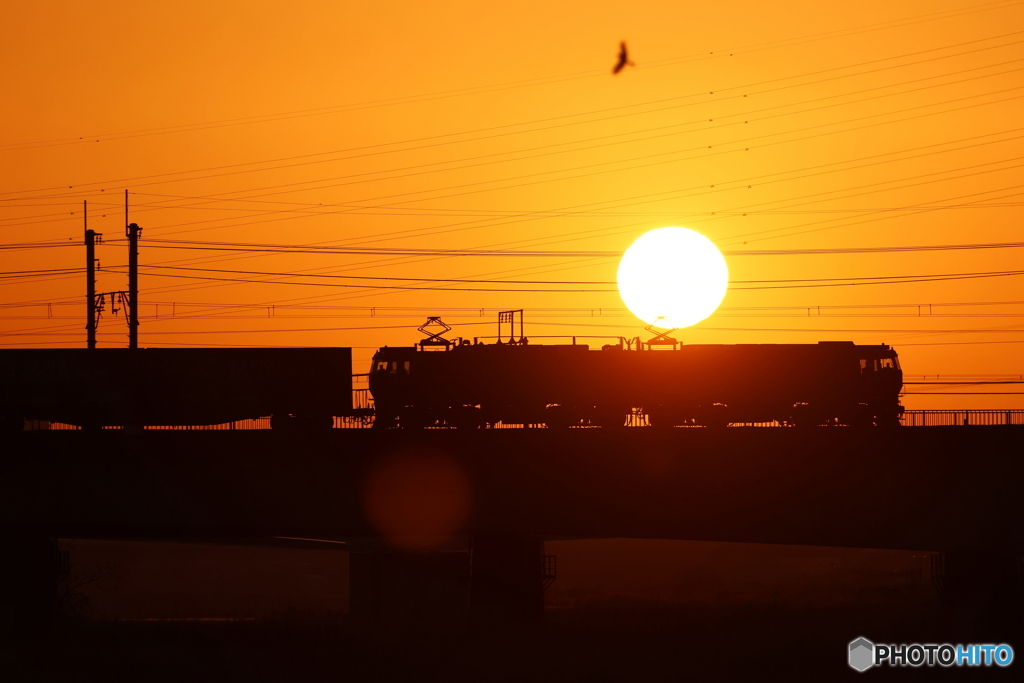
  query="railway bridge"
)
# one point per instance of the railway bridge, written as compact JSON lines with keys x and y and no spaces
{"x":952,"y":489}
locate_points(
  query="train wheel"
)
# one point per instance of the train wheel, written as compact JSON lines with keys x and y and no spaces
{"x":714,"y":417}
{"x":805,"y":416}
{"x":661,"y":418}
{"x":414,"y":419}
{"x":315,"y":422}
{"x":609,"y":417}
{"x":859,"y":416}
{"x":380,"y":421}
{"x":888,"y":421}
{"x":283,"y":421}
{"x":559,"y":417}
{"x":465,"y":417}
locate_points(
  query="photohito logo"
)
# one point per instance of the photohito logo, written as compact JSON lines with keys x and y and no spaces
{"x":863,"y":654}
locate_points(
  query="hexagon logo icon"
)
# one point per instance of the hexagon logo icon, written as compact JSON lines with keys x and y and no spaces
{"x":862,"y":654}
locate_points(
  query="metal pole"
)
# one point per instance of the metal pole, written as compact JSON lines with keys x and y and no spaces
{"x":90,"y":279}
{"x":133,"y":285}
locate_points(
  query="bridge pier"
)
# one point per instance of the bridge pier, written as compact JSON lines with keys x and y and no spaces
{"x":390,"y":587}
{"x":30,"y":568}
{"x":508,"y":578}
{"x":983,"y":592}
{"x":499,"y":581}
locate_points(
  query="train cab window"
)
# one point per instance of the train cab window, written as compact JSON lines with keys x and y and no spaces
{"x":394,"y":367}
{"x":875,"y":364}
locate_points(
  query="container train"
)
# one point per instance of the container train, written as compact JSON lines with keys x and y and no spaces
{"x":300,"y":387}
{"x":463,"y":384}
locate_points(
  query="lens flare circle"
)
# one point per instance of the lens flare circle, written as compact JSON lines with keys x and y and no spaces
{"x":672,"y":277}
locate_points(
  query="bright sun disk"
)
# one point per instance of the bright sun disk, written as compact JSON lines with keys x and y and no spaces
{"x":672,"y":277}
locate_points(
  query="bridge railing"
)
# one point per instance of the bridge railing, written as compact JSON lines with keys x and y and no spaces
{"x":362,"y":400}
{"x":941,"y":418}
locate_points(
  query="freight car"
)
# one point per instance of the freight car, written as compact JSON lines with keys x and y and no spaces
{"x":469,"y":384}
{"x":299,"y":387}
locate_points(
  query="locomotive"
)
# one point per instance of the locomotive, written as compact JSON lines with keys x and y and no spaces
{"x":470,"y":384}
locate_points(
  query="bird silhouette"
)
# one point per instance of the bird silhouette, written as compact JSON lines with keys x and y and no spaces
{"x":623,"y":59}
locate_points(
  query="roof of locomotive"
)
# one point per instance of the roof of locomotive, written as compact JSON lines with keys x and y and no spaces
{"x":823,"y":347}
{"x":407,"y":351}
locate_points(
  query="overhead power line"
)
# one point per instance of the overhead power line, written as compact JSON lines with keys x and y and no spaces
{"x":534,"y":253}
{"x":84,"y":139}
{"x":570,"y":239}
{"x":332,"y":209}
{"x":771,"y":284}
{"x":616,"y":203}
{"x":136,"y":183}
{"x":959,"y":383}
{"x":811,"y":310}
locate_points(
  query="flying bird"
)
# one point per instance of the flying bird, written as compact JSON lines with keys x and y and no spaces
{"x":623,"y":59}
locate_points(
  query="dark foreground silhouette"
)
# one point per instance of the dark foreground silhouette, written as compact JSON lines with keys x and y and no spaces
{"x":634,"y":640}
{"x":619,"y":610}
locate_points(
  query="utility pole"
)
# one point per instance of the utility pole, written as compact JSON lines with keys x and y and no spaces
{"x":90,"y":277}
{"x":133,"y":285}
{"x":132,"y":231}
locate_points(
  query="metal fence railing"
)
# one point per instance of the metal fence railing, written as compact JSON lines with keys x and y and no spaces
{"x":942,"y":418}
{"x":361,"y":401}
{"x":364,"y":402}
{"x":346,"y":422}
{"x":257,"y":423}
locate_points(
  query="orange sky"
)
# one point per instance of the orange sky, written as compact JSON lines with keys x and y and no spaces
{"x":402,"y":125}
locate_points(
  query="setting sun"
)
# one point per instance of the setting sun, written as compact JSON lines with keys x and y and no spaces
{"x":672,"y":277}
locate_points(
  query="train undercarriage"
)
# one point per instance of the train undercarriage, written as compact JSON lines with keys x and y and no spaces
{"x":558,"y":416}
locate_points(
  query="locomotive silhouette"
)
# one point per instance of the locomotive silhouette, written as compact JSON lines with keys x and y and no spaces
{"x":469,"y":384}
